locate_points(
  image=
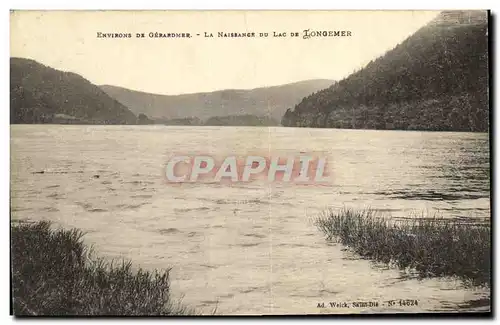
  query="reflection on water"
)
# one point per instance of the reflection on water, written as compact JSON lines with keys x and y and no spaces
{"x":430,"y":195}
{"x":251,"y":248}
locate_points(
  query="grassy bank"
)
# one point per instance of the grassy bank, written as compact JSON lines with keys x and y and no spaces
{"x":53,"y":273}
{"x":429,"y":246}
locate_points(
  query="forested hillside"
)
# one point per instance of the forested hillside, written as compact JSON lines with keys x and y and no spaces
{"x":40,"y":94}
{"x":437,"y":79}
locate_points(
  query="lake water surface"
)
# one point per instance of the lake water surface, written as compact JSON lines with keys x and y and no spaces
{"x":251,"y":248}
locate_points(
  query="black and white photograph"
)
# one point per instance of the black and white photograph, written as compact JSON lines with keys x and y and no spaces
{"x":250,"y":162}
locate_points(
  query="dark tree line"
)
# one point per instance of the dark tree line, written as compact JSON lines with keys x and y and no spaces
{"x":241,"y":120}
{"x":437,"y":79}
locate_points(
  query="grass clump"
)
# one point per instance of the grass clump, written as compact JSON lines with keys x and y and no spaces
{"x":53,"y":274}
{"x":430,"y":246}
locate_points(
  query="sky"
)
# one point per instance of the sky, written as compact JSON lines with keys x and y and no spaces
{"x":67,"y":40}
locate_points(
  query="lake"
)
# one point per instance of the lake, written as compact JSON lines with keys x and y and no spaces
{"x":251,"y":248}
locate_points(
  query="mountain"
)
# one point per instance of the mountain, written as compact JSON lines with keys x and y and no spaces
{"x":437,"y":79}
{"x":268,"y":101}
{"x":41,"y":94}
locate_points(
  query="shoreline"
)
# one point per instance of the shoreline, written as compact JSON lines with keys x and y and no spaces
{"x":123,"y":275}
{"x":432,"y":247}
{"x":54,"y":273}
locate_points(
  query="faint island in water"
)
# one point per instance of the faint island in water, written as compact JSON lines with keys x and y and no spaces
{"x":228,"y":120}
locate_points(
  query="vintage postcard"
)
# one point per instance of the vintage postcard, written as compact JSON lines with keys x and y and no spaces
{"x":249,"y":162}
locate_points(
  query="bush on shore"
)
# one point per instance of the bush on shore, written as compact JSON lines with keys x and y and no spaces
{"x":53,"y":274}
{"x":429,"y":246}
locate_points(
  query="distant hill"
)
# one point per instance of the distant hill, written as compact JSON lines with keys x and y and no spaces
{"x":268,"y":101}
{"x":437,"y":79}
{"x":41,"y":94}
